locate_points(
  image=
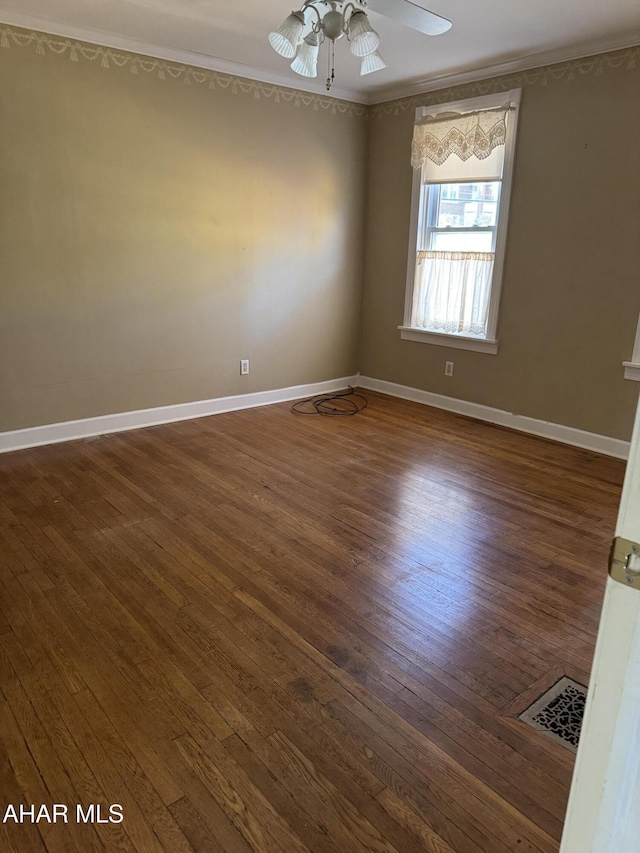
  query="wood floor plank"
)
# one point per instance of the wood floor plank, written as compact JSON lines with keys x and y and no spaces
{"x":49,"y":766}
{"x":353,"y":828}
{"x":28,"y":840}
{"x":241,"y":800}
{"x":198,"y":832}
{"x":26,"y":784}
{"x":315,"y":834}
{"x":260,"y":633}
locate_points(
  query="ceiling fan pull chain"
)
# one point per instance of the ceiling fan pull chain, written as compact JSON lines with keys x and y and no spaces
{"x":331,"y":71}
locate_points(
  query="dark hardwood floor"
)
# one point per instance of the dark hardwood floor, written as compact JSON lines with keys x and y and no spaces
{"x":263,"y":632}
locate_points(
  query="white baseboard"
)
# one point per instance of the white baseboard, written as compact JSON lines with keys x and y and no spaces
{"x":20,"y":439}
{"x":69,"y":430}
{"x":568,"y":435}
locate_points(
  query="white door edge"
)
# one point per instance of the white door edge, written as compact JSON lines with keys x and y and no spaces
{"x":603,"y":815}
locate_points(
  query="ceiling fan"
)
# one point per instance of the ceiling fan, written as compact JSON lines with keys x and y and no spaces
{"x":300,"y":36}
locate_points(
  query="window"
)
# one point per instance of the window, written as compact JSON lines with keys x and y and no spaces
{"x":462,"y":154}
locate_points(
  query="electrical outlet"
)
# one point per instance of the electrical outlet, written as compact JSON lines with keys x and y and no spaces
{"x":448,"y":368}
{"x":244,"y":367}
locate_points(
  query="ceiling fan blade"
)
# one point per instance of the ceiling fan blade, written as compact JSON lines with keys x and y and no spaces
{"x":411,"y":16}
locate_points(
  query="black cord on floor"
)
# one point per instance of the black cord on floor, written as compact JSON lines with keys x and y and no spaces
{"x":341,"y":403}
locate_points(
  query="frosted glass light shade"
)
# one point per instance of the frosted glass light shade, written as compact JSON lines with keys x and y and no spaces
{"x":306,"y":62}
{"x":364,"y":39}
{"x":285,"y":39}
{"x":372,"y":62}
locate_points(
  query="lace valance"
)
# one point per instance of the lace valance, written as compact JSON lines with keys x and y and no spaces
{"x":468,"y":135}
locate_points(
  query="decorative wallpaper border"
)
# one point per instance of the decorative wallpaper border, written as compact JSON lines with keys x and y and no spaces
{"x":189,"y":74}
{"x":163,"y":69}
{"x":561,"y":71}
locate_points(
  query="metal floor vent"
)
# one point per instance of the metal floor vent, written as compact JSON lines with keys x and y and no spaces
{"x":558,"y":713}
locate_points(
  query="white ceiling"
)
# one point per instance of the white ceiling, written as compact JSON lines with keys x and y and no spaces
{"x":227,"y":35}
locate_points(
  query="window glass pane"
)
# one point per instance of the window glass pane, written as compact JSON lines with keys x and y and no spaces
{"x":462,"y":241}
{"x":467,"y":205}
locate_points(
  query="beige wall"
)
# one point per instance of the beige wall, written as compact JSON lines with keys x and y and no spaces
{"x":571,"y":290}
{"x":154,"y":233}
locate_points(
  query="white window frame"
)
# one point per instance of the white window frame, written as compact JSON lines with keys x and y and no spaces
{"x":489,"y":343}
{"x":632,"y":368}
{"x":430,"y":230}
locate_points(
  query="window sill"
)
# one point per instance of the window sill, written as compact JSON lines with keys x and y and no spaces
{"x":441,"y":339}
{"x":631,"y":370}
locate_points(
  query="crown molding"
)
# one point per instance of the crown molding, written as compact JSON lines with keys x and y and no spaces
{"x":377,"y":97}
{"x":105,"y":38}
{"x":523,"y":63}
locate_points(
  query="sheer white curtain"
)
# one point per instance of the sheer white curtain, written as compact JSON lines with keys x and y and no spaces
{"x":451,"y":291}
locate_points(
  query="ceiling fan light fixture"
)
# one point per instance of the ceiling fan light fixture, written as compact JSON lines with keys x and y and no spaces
{"x":286,"y":38}
{"x":306,"y":62}
{"x":364,"y":39}
{"x":301,"y":35}
{"x":372,"y":62}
